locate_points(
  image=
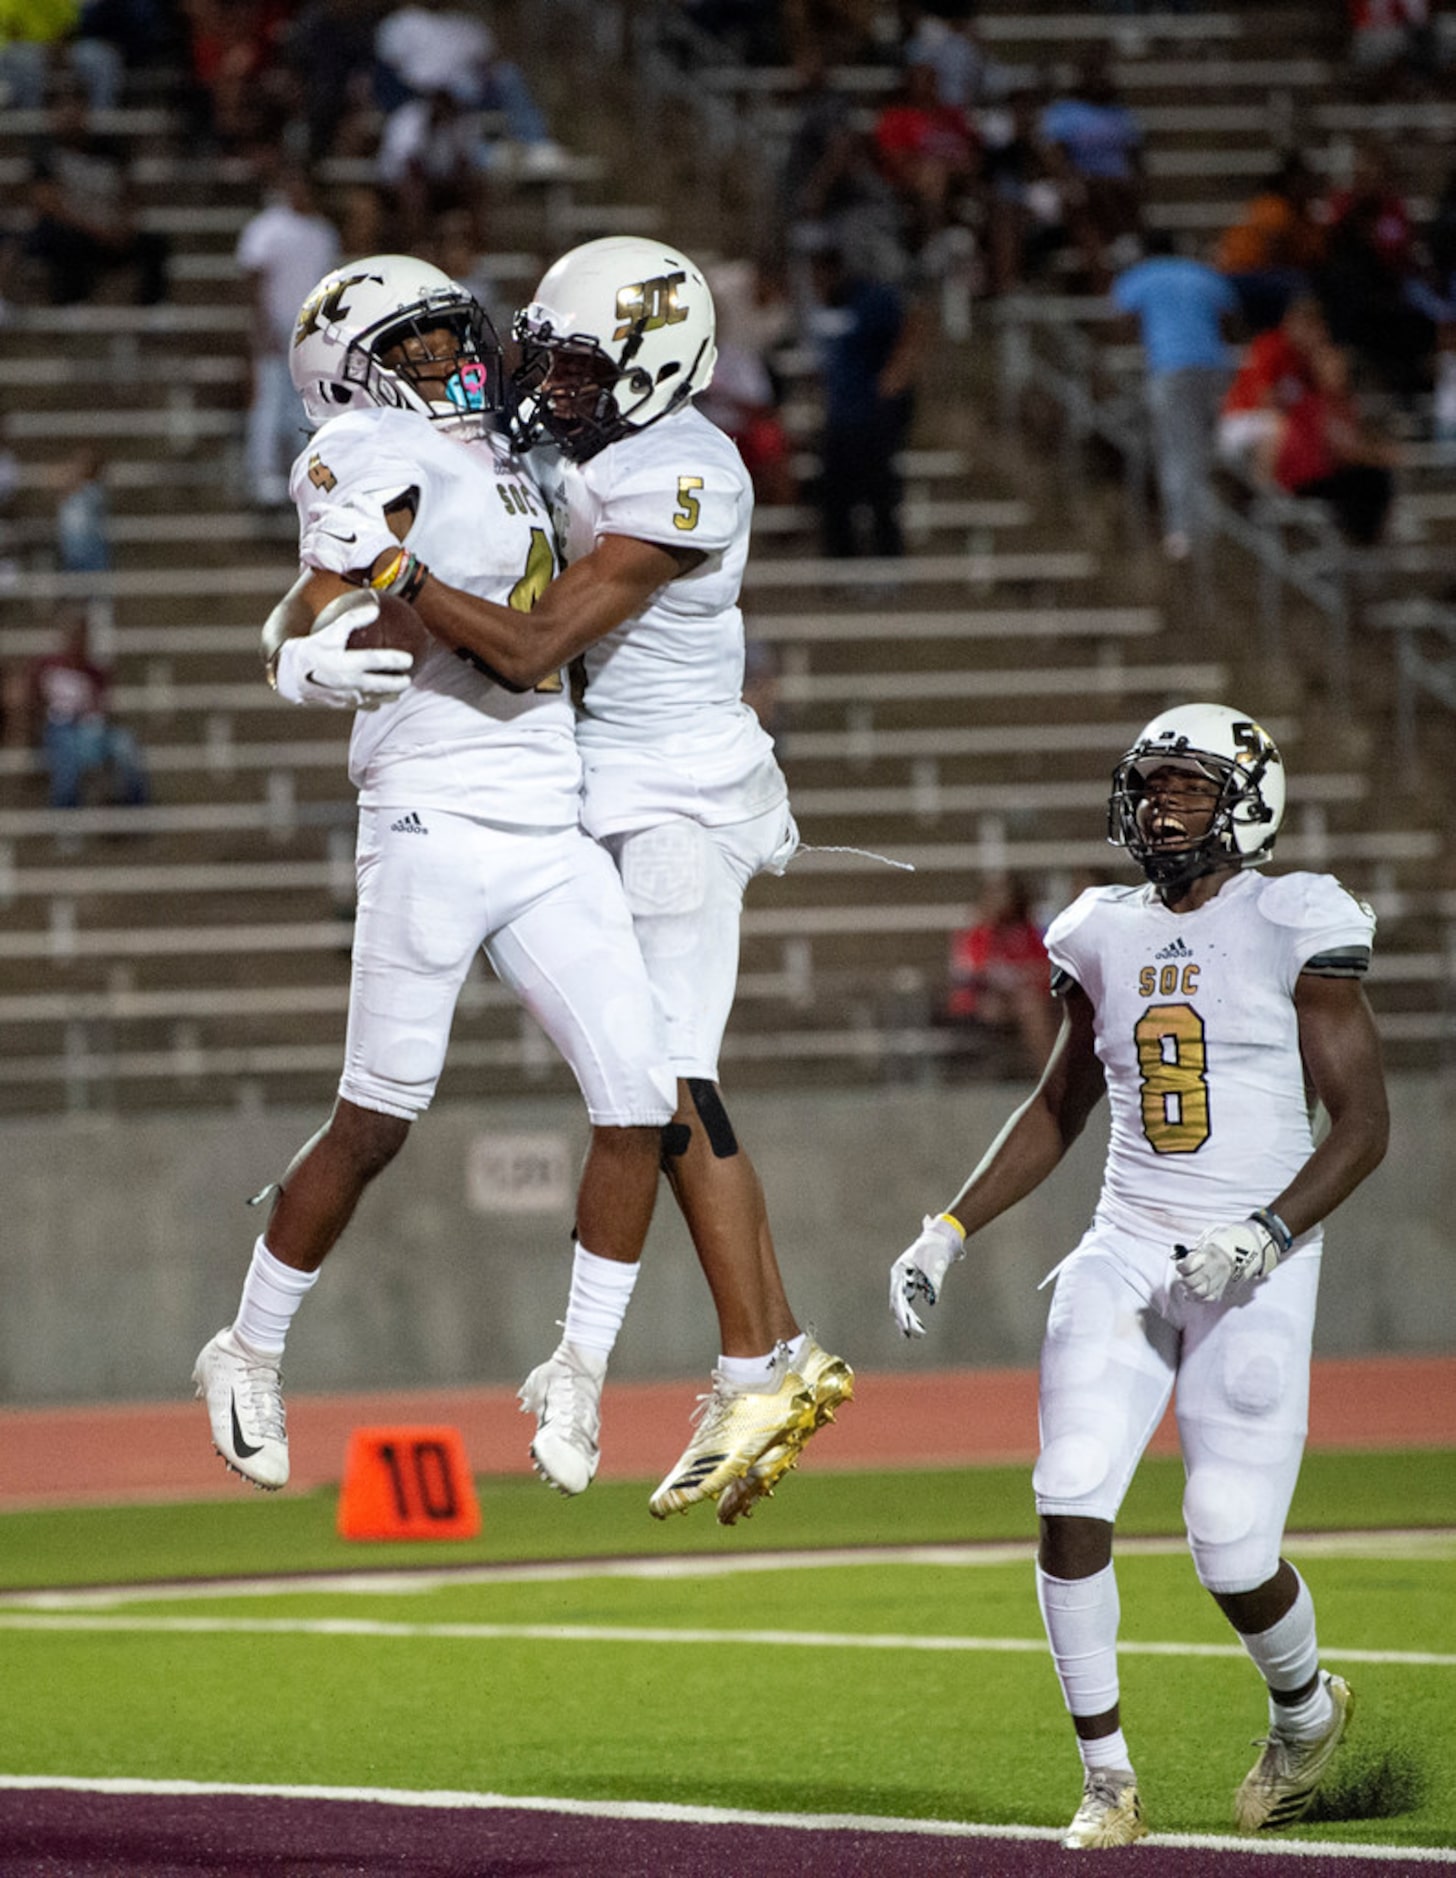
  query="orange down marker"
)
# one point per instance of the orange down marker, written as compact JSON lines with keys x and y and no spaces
{"x":407,"y":1483}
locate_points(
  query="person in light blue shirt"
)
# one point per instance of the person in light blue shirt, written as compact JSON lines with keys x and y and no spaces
{"x":1183,"y":309}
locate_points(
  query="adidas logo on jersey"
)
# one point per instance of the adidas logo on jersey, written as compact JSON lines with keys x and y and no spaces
{"x":409,"y":825}
{"x":1178,"y":949}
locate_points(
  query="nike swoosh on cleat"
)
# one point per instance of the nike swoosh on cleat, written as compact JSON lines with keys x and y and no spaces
{"x":239,"y":1444}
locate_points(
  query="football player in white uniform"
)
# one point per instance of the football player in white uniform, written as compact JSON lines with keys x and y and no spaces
{"x":653,"y":508}
{"x":469,"y":837}
{"x":1202,"y":1004}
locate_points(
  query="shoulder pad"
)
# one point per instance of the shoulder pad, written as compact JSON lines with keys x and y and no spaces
{"x":1316,"y":901}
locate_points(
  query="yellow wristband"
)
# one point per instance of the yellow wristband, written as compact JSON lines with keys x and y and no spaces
{"x":951,"y":1220}
{"x":382,"y":581}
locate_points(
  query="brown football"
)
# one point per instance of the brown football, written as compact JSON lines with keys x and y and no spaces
{"x":397,"y":625}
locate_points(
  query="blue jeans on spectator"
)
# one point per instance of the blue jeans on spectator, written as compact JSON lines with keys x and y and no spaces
{"x":72,"y":751}
{"x":1184,"y":407}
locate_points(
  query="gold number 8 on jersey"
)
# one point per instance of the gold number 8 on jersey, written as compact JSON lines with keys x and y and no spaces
{"x":1173,"y":1059}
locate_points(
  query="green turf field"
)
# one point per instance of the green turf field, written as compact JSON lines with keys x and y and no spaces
{"x":679,"y":1662}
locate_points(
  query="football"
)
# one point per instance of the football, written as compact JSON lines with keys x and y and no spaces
{"x":396,"y":625}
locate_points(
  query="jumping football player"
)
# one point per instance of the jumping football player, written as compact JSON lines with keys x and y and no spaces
{"x":653,"y":508}
{"x":469,"y":824}
{"x":1201,"y":1004}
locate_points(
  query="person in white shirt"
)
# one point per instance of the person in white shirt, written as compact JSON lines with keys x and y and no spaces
{"x":1202,"y":1004}
{"x":653,"y":508}
{"x":469,"y":836}
{"x":282,"y":250}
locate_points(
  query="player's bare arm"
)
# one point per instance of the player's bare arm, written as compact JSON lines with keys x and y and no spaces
{"x":1341,"y":1050}
{"x":586,"y":601}
{"x":1041,"y":1131}
{"x":1031,"y":1144}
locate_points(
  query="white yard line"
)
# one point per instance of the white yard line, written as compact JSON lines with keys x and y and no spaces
{"x":160,"y":1625}
{"x":704,"y":1815}
{"x":1415,"y":1543}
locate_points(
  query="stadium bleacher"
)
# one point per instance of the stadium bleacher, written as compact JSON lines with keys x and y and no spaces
{"x":957,"y":710}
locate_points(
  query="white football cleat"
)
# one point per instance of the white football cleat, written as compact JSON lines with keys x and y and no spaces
{"x":244,"y":1395}
{"x":1282,"y":1783}
{"x":1110,"y":1814}
{"x":565,"y":1395}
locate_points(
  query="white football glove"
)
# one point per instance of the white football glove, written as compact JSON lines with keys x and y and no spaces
{"x":321,"y":669}
{"x":346,"y":538}
{"x":1224,"y":1256}
{"x":920,"y":1269}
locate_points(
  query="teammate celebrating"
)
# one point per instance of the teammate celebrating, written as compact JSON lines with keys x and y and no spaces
{"x":469,"y":830}
{"x":653,"y":507}
{"x":1201,"y":1003}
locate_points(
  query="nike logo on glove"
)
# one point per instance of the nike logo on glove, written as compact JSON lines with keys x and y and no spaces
{"x":245,"y":1449}
{"x":348,"y":540}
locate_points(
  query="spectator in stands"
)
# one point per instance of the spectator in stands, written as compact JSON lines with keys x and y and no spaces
{"x":241,"y":93}
{"x":1096,"y":150}
{"x":1276,"y":371}
{"x":70,"y":703}
{"x":1392,"y":44}
{"x":1026,"y":216}
{"x":433,"y":47}
{"x":1328,"y":453}
{"x":999,"y":980}
{"x":930,"y":155}
{"x":1368,"y":269}
{"x":85,"y":223}
{"x":754,"y":316}
{"x":282,"y":251}
{"x":44,"y":43}
{"x":868,"y":336}
{"x":1271,"y":254}
{"x":329,"y":48}
{"x":832,"y":187}
{"x":841,"y":32}
{"x":944,"y":35}
{"x":1184,"y":310}
{"x":432,"y":160}
{"x":83,"y":515}
{"x":458,"y":248}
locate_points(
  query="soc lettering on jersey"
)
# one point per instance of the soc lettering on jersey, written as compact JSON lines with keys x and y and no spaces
{"x":1197,"y":1031}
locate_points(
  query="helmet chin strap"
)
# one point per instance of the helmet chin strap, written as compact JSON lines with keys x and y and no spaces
{"x":1181,"y":867}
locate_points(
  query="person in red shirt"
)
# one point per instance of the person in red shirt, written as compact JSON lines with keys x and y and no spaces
{"x":1277,"y":370}
{"x":999,"y":982}
{"x":929,"y":152}
{"x":70,"y":696}
{"x":1328,"y":453}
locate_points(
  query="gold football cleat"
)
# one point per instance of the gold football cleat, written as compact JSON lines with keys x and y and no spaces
{"x":831,"y":1382}
{"x":1280,"y":1786}
{"x":1110,"y":1814}
{"x":733,"y":1429}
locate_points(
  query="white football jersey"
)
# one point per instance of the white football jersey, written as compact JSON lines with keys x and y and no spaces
{"x":663,"y":728}
{"x":453,"y":740}
{"x":1197,"y":1032}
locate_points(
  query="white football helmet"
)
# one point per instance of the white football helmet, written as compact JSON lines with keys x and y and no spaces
{"x":1226,"y":747}
{"x":357,"y":312}
{"x":619,"y":334}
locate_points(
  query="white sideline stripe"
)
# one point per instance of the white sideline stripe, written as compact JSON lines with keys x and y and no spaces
{"x":1415,"y":1542}
{"x":670,"y":1814}
{"x":641,"y":1633}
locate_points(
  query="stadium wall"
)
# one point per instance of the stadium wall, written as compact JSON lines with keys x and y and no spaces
{"x":125,"y":1241}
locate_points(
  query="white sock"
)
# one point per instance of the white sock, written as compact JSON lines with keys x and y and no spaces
{"x":272,"y":1292}
{"x":1081,"y":1617}
{"x":1106,"y":1751}
{"x":796,"y":1347}
{"x":601,"y":1290}
{"x":748,"y":1375}
{"x":1286,"y":1655}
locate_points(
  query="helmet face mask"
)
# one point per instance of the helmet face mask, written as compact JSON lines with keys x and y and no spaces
{"x":620,"y":333}
{"x":1244,"y":806}
{"x":371,"y":334}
